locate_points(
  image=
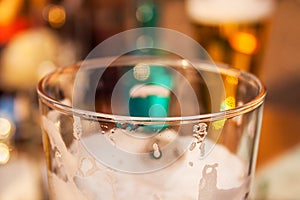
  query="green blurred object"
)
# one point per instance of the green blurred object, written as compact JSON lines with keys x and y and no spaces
{"x":146,"y":13}
{"x":151,"y":105}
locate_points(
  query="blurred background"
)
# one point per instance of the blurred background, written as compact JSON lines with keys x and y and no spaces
{"x":37,"y":36}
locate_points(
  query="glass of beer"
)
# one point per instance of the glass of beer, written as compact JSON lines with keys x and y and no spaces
{"x":233,"y":31}
{"x":150,"y":127}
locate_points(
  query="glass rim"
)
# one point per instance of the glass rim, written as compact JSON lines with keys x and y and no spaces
{"x":206,"y":117}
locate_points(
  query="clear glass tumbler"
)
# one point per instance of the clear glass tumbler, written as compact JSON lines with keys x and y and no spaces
{"x":150,"y":127}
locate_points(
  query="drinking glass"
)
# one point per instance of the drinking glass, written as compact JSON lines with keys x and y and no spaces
{"x":234,"y":31}
{"x":150,"y":127}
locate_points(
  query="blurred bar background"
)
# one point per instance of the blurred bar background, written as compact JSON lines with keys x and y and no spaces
{"x":37,"y":36}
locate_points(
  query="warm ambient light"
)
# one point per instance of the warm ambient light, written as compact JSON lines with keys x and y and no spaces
{"x":45,"y":67}
{"x":56,"y":16}
{"x":232,"y":80}
{"x":244,"y":42}
{"x":9,"y":10}
{"x":4,"y":153}
{"x":5,"y":128}
{"x":228,"y":104}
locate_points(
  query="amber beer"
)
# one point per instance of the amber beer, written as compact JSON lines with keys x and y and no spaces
{"x":232,"y":31}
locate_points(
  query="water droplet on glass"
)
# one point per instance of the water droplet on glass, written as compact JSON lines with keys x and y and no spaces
{"x":202,"y":149}
{"x":192,"y":147}
{"x":88,"y":166}
{"x":156,"y":153}
{"x":57,"y":153}
{"x":191,"y":164}
{"x":104,"y":126}
{"x":111,"y":138}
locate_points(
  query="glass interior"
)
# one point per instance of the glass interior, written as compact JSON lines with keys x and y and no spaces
{"x":141,"y":87}
{"x":177,"y":129}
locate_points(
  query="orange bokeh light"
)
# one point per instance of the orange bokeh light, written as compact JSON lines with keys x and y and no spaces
{"x":244,"y":42}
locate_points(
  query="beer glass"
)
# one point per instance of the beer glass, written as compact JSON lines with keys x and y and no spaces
{"x":150,"y":127}
{"x":234,"y":31}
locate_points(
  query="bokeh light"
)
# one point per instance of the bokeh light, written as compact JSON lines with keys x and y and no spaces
{"x":232,"y":80}
{"x":4,"y":153}
{"x":228,"y":104}
{"x":244,"y":42}
{"x":141,"y":72}
{"x":56,"y":16}
{"x":5,"y":128}
{"x":45,"y":67}
{"x":144,"y":13}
